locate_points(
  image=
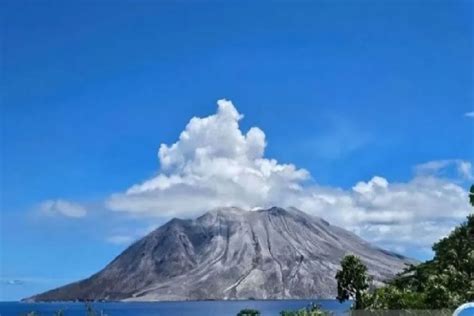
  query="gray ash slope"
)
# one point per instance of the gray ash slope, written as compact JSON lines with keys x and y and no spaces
{"x":230,"y":253}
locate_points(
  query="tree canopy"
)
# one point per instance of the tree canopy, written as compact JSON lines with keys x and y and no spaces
{"x":352,"y":280}
{"x":447,"y":280}
{"x":444,"y":282}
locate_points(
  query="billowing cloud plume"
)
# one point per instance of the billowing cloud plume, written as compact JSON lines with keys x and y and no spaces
{"x":215,"y":164}
{"x":212,"y":164}
{"x":62,"y":207}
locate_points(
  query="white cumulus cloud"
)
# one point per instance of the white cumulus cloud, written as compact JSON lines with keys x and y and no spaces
{"x":214,"y":163}
{"x":62,"y":207}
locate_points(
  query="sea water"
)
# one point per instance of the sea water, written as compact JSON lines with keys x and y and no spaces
{"x":188,"y":308}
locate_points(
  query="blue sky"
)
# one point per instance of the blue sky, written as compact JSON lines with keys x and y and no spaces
{"x":346,"y":90}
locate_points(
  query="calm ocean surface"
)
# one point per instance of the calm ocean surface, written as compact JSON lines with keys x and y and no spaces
{"x":203,"y":308}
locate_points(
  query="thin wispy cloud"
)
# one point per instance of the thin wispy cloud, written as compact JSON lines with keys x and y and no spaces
{"x":214,"y":163}
{"x":462,"y":168}
{"x":120,"y":239}
{"x":13,"y":282}
{"x":123,"y":236}
{"x":62,"y":208}
{"x":469,"y":114}
{"x":341,"y":138}
{"x":27,"y":281}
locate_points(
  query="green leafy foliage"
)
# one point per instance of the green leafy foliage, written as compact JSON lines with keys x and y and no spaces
{"x":448,"y":280}
{"x":393,"y":298}
{"x":443,"y":283}
{"x":249,"y":312}
{"x":352,"y":280}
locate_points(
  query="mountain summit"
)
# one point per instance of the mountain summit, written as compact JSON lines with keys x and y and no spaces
{"x":230,"y":253}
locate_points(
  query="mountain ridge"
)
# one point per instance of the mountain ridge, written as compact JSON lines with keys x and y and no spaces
{"x":231,"y":253}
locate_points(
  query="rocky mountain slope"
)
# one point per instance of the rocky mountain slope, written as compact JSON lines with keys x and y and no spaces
{"x":230,"y":253}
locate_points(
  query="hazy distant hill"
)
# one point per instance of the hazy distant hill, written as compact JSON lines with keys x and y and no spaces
{"x":230,"y":253}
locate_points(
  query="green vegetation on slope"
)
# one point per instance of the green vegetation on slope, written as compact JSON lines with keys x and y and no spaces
{"x":446,"y":281}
